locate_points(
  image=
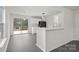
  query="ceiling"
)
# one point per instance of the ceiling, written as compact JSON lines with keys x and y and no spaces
{"x":38,"y":10}
{"x":72,"y":7}
{"x":35,"y":10}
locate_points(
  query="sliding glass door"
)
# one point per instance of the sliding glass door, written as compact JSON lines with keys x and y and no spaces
{"x":20,"y":25}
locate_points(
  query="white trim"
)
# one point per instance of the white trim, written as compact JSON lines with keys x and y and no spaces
{"x":41,"y":48}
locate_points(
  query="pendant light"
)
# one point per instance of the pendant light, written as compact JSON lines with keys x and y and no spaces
{"x":43,"y":16}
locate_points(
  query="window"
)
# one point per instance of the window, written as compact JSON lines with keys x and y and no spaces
{"x":20,"y":25}
{"x":58,"y":21}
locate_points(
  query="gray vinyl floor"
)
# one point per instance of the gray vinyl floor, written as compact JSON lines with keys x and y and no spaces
{"x":23,"y":43}
{"x":72,"y":46}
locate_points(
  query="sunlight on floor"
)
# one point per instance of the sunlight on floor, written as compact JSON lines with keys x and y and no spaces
{"x":19,"y":32}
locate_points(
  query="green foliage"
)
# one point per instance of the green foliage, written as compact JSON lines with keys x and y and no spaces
{"x":20,"y":24}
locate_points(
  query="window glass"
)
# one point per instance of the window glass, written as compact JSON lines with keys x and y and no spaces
{"x":20,"y":25}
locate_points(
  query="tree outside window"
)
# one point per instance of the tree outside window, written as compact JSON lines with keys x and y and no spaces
{"x":20,"y":24}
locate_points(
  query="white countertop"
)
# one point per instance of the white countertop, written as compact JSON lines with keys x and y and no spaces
{"x":35,"y":29}
{"x":49,"y":29}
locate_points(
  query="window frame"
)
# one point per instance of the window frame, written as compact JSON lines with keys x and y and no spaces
{"x":58,"y":21}
{"x":20,"y":31}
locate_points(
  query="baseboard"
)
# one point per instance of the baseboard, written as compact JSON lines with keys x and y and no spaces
{"x":75,"y":39}
{"x":40,"y":48}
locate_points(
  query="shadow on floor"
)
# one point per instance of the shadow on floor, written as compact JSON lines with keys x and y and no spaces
{"x":72,"y":46}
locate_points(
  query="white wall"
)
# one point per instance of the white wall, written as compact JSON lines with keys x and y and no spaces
{"x":77,"y":25}
{"x":57,"y":38}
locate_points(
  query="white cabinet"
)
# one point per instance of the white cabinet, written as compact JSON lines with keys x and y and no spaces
{"x":47,"y":36}
{"x":41,"y":38}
